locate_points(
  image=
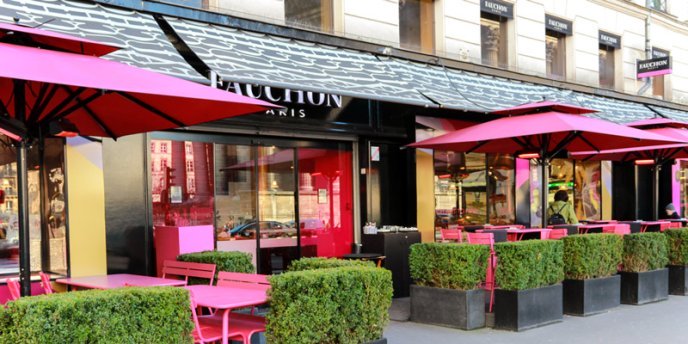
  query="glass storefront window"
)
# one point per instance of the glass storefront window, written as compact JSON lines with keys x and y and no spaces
{"x":460,"y":188}
{"x":588,"y":188}
{"x":683,"y":182}
{"x":560,"y":178}
{"x":182,"y":183}
{"x":310,"y":14}
{"x":501,"y":183}
{"x":47,"y":223}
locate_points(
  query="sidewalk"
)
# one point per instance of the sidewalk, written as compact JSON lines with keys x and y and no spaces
{"x":658,"y":323}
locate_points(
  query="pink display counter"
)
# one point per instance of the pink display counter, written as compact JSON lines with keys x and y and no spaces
{"x":171,"y":241}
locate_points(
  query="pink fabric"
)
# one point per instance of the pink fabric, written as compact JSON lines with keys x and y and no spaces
{"x":50,"y":39}
{"x":118,"y":281}
{"x":658,"y":122}
{"x":542,"y":107}
{"x":497,"y":136}
{"x":185,"y":101}
{"x":619,"y":228}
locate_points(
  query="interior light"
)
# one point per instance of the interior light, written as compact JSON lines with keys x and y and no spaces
{"x":529,"y":156}
{"x":645,"y":162}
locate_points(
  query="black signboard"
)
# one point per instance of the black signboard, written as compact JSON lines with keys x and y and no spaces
{"x":610,"y":40}
{"x":497,"y":7}
{"x":656,"y":52}
{"x":558,"y":25}
{"x":653,"y":67}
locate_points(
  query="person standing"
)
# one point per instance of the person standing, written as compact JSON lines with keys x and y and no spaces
{"x":561,"y":211}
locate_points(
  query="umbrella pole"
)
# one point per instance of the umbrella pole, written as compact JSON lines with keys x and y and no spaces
{"x":24,"y":239}
{"x":545,"y":190}
{"x":655,"y":191}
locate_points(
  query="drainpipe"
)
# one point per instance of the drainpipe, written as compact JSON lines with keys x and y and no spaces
{"x":648,"y":47}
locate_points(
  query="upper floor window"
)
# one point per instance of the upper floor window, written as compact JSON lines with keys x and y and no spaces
{"x":659,"y":5}
{"x":494,"y":16}
{"x":417,"y":25}
{"x":608,"y":43}
{"x":556,"y":31}
{"x":310,"y":14}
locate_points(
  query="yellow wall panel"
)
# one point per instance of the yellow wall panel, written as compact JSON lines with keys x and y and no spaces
{"x":425,"y":195}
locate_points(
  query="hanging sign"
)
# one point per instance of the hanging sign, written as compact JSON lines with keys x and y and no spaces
{"x":609,"y":39}
{"x":653,"y":67}
{"x":374,"y":153}
{"x":497,"y":7}
{"x":557,"y":24}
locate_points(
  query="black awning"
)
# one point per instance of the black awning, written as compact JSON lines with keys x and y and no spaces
{"x":144,"y":43}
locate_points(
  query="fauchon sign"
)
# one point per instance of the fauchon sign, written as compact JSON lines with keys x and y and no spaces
{"x":297,"y":103}
{"x":609,"y":40}
{"x":653,"y":67}
{"x":559,"y":25}
{"x":498,"y":8}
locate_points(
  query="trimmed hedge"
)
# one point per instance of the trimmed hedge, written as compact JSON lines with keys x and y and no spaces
{"x":230,"y":261}
{"x":450,"y":266}
{"x":123,"y":315}
{"x":678,"y":246}
{"x":325,"y":263}
{"x":341,"y":305}
{"x":529,"y":264}
{"x":644,"y":252}
{"x":592,"y":255}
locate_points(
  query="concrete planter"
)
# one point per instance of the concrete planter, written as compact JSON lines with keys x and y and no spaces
{"x":448,"y":307}
{"x":678,"y":281}
{"x":638,"y":288}
{"x":592,"y":296}
{"x":519,"y":310}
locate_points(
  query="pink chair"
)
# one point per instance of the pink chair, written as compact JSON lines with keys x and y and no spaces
{"x":209,"y":331}
{"x":451,"y":234}
{"x":239,"y":279}
{"x":14,"y":288}
{"x":558,"y":233}
{"x":664,"y":226}
{"x":676,"y":225}
{"x":188,"y":269}
{"x":486,"y":239}
{"x":619,"y":228}
{"x":45,"y":283}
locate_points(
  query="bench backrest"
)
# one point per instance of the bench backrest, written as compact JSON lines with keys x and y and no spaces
{"x":188,"y":269}
{"x":240,"y":279}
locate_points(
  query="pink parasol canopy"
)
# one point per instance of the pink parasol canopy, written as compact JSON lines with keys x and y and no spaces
{"x":543,"y":106}
{"x":33,"y":37}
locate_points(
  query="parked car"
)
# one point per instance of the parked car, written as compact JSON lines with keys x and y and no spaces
{"x":270,"y":229}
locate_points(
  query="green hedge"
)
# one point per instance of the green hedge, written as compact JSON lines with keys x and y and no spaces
{"x":231,"y":261}
{"x":644,"y":252}
{"x":342,"y":305}
{"x":678,"y":246}
{"x":123,"y":315}
{"x":592,"y":256}
{"x":529,"y":264}
{"x":326,"y":263}
{"x":451,"y":266}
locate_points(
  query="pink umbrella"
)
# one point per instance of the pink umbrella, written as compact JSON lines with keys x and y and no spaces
{"x":542,"y":131}
{"x":49,"y":88}
{"x":655,"y":155}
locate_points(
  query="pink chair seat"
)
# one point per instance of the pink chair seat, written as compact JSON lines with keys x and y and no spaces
{"x":14,"y":288}
{"x":245,"y":324}
{"x":209,"y":330}
{"x":45,"y":283}
{"x":451,"y":234}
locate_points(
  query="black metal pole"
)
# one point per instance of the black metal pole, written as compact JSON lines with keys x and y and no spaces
{"x":636,"y":185}
{"x":655,"y":191}
{"x":545,"y":189}
{"x":22,"y":193}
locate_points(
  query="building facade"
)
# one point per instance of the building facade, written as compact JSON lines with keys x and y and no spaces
{"x":358,"y":81}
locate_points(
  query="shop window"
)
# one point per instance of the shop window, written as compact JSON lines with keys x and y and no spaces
{"x":659,"y":5}
{"x":555,"y":55}
{"x":493,"y":37}
{"x":607,"y":68}
{"x":417,"y":25}
{"x":180,"y":197}
{"x":309,"y":14}
{"x":460,"y":188}
{"x":501,"y":183}
{"x":683,"y":182}
{"x":560,"y":178}
{"x":47,"y":224}
{"x":588,"y":190}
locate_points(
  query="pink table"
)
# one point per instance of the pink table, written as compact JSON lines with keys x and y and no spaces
{"x":228,"y":298}
{"x":517,"y":234}
{"x":663,"y":225}
{"x":118,"y":281}
{"x":504,"y":227}
{"x":583,"y":229}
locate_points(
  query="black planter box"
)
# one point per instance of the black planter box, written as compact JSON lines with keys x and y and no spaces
{"x":448,"y":307}
{"x":678,"y":280}
{"x":638,"y":288}
{"x":519,"y":310}
{"x":592,"y":296}
{"x":379,"y":341}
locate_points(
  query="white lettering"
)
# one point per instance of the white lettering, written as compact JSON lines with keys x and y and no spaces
{"x":268,"y":94}
{"x":321,"y":99}
{"x":496,"y":7}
